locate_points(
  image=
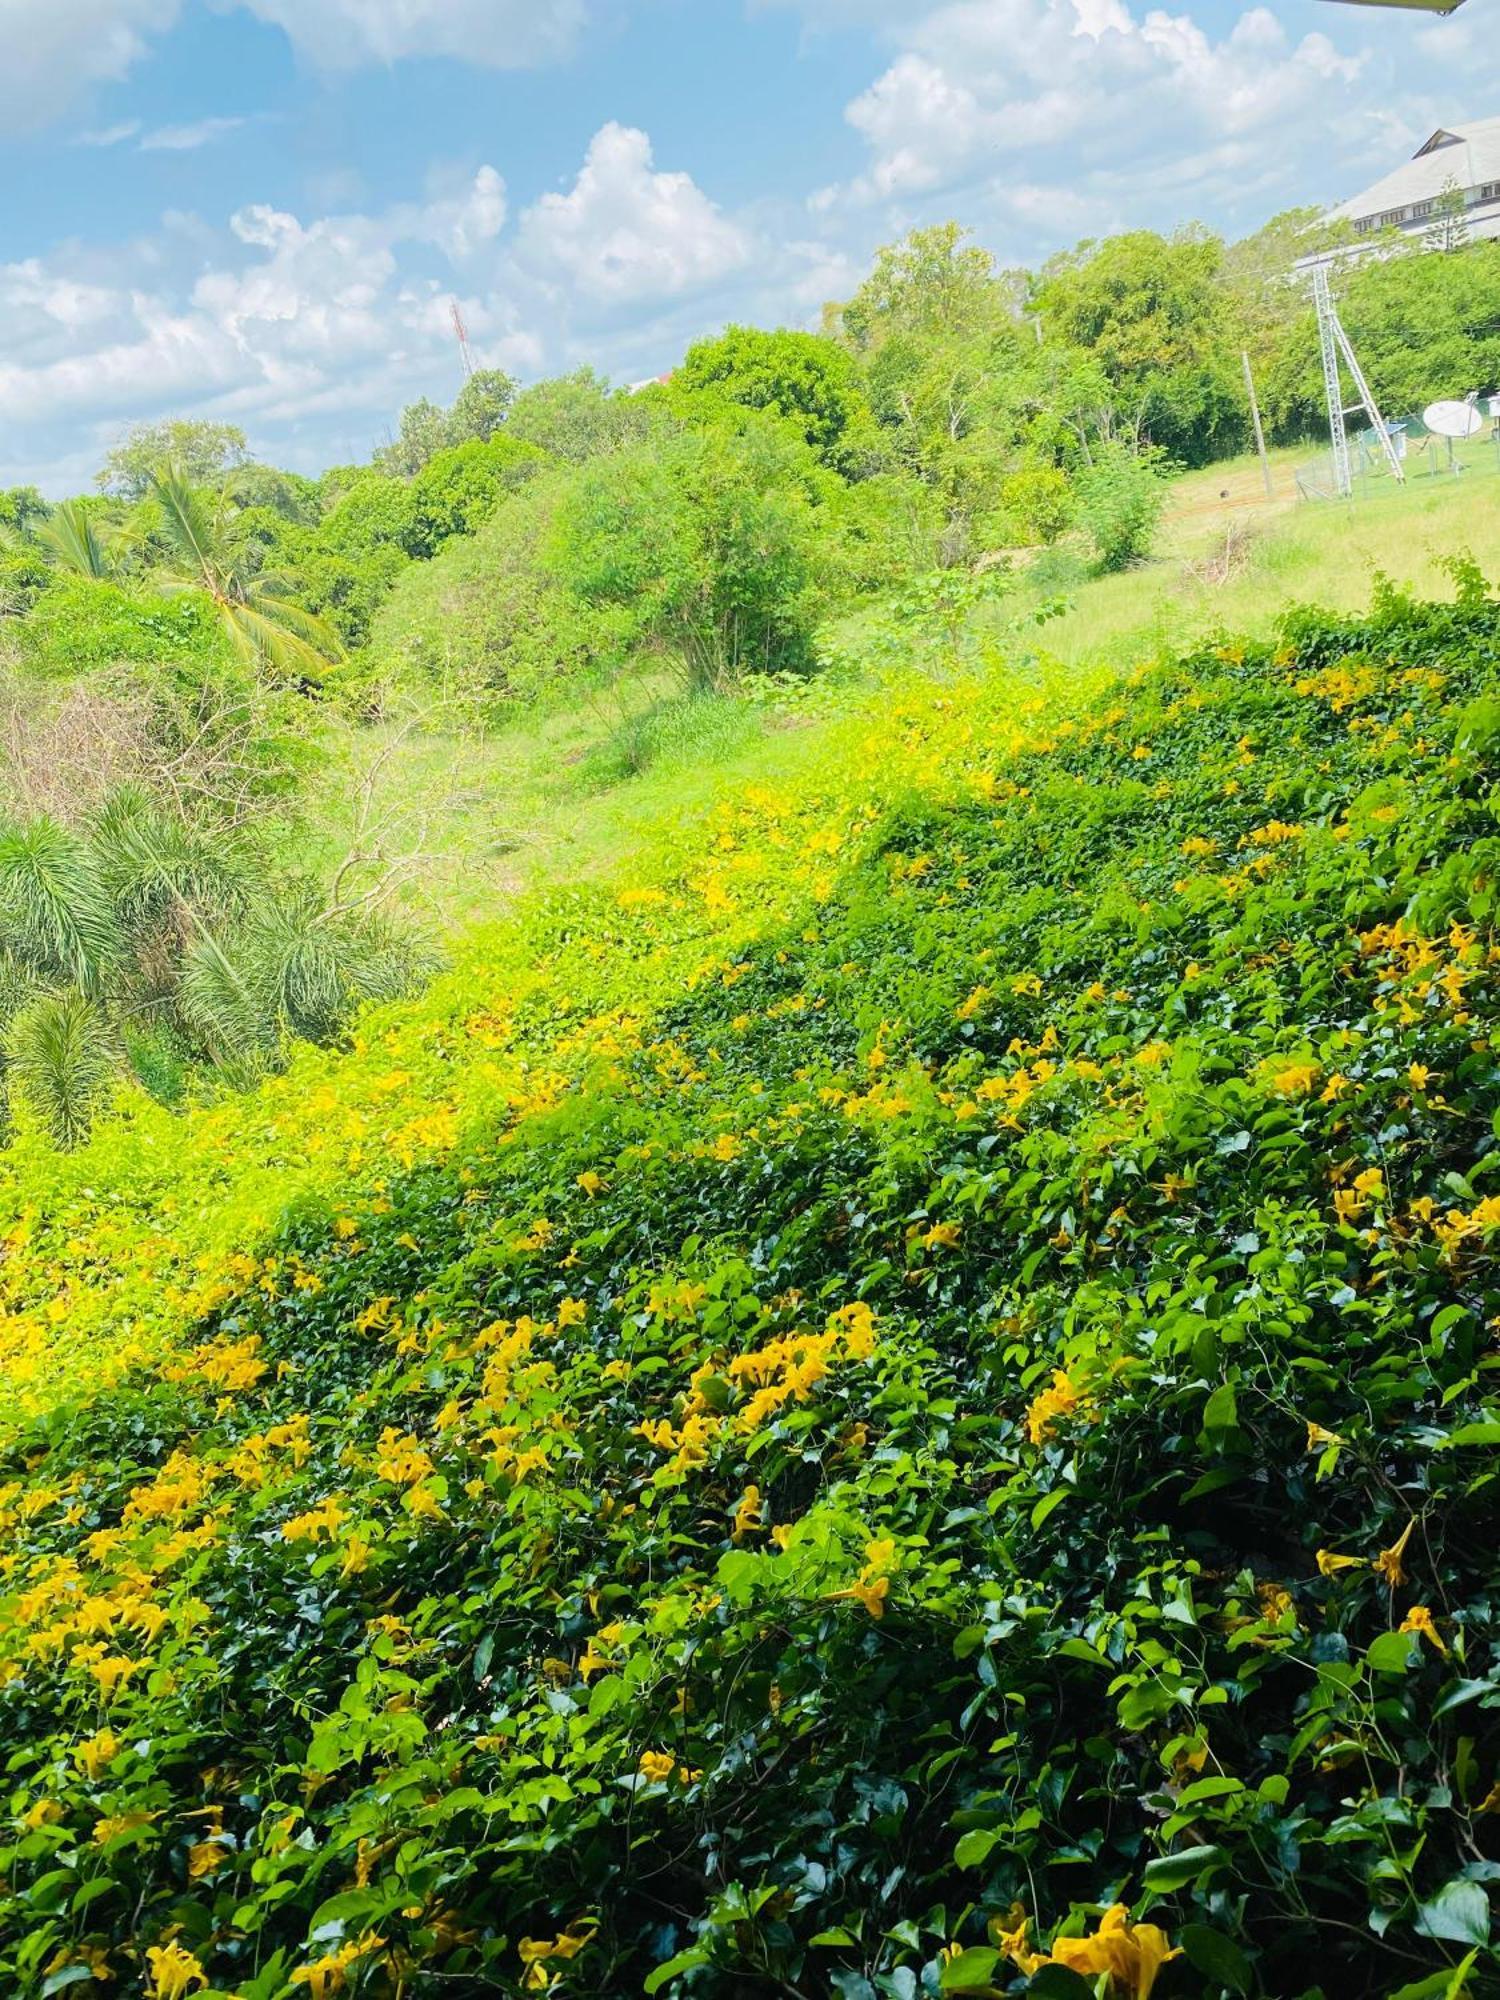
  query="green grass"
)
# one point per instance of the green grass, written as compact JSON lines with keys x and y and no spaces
{"x":564,"y":793}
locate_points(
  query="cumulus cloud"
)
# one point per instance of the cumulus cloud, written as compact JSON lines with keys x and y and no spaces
{"x":1098,"y":99}
{"x":626,"y":232}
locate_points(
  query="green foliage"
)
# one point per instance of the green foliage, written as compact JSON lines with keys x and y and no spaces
{"x":928,"y":1428}
{"x":460,"y":487}
{"x":206,"y":453}
{"x":1151,"y":311}
{"x":577,"y":416}
{"x":706,"y":550}
{"x":1120,"y":500}
{"x":74,"y":537}
{"x":484,"y":621}
{"x":265,"y":627}
{"x":79,"y":626}
{"x":426,"y":429}
{"x":808,"y":380}
{"x":58,"y":1060}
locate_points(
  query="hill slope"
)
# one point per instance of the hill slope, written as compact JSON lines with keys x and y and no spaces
{"x":955,"y":1397}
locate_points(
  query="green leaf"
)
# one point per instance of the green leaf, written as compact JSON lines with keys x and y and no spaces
{"x":1048,"y":1505}
{"x":974,"y":1847}
{"x":1480,"y":1433}
{"x":1443,"y":1985}
{"x":1460,"y":1911}
{"x":1390,"y":1653}
{"x":685,"y":1961}
{"x":974,"y":1967}
{"x":1059,"y":1982}
{"x":1216,"y":1957}
{"x":1172,"y":1871}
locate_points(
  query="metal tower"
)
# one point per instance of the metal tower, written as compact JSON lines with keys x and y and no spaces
{"x":1335,"y":346}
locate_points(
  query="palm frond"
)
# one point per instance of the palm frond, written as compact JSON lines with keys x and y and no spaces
{"x":59,"y":1056}
{"x":148,"y":861}
{"x":54,"y":912}
{"x":186,"y":526}
{"x":73,"y":539}
{"x":226,"y":1004}
{"x":268,"y":632}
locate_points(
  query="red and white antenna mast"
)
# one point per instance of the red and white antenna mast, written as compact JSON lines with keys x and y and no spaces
{"x":463,"y":336}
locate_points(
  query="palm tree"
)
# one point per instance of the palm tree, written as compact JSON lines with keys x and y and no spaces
{"x":263,"y":625}
{"x":73,"y":539}
{"x":58,"y":1051}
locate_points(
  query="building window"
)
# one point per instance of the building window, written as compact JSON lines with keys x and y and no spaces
{"x":1421,"y":208}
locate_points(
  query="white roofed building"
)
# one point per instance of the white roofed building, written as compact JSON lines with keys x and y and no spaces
{"x":1465,"y":157}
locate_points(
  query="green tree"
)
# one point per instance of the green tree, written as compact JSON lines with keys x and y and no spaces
{"x":22,"y":509}
{"x":933,"y":284}
{"x":578,"y":416}
{"x":1151,"y":313}
{"x":1449,"y":226}
{"x":706,"y":550}
{"x":460,"y":487}
{"x":808,"y":380}
{"x":76,"y":540}
{"x":426,"y":428}
{"x":263,"y":624}
{"x":207,"y":453}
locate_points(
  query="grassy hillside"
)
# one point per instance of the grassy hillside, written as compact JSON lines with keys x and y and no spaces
{"x":568,"y":790}
{"x":899,"y":1403}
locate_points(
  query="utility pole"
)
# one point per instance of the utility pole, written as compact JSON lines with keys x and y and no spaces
{"x":1260,"y":436}
{"x":1334,"y":345}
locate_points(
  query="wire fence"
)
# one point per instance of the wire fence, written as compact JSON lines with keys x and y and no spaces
{"x":1420,"y":453}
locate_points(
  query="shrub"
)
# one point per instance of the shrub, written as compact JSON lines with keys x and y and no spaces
{"x":1120,"y":500}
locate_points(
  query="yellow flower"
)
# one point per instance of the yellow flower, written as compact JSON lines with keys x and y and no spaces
{"x":95,"y":1754}
{"x":174,"y":1971}
{"x":1296,"y":1079}
{"x":657,"y":1766}
{"x":1371,"y":1184}
{"x":1419,"y":1620}
{"x":1417,"y":1076}
{"x":591,"y":1183}
{"x":1011,"y":1943}
{"x":326,"y":1975}
{"x":1330,"y":1564}
{"x":106,"y":1830}
{"x":1131,"y":1954}
{"x":1061,"y":1400}
{"x":1388,"y":1562}
{"x":747,"y":1515}
{"x":1318,"y":1437}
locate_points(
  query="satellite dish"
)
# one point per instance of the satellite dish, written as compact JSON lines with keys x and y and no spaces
{"x":1453,"y":420}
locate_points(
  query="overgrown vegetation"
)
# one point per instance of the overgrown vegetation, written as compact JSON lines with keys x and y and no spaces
{"x":896,"y":1402}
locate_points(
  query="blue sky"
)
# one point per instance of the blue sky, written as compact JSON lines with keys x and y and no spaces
{"x":259,"y":210}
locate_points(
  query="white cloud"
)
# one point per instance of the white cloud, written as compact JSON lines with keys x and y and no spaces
{"x":628,"y":233}
{"x":495,"y":34}
{"x":1098,"y":100}
{"x":189,"y":138}
{"x":111,"y":135}
{"x":56,"y":50}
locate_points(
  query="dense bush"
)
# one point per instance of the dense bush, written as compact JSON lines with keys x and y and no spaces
{"x":918,"y":1420}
